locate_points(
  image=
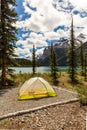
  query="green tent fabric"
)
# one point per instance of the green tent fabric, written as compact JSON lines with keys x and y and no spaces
{"x":35,"y":87}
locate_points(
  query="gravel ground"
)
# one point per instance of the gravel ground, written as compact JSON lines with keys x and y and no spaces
{"x":9,"y":100}
{"x":69,"y":116}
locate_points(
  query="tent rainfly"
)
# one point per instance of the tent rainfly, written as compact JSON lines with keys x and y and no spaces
{"x":35,"y":88}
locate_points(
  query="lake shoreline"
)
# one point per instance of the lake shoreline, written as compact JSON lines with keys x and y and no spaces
{"x":40,"y":69}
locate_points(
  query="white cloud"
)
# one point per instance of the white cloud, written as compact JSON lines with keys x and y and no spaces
{"x":40,"y":51}
{"x":37,"y":42}
{"x":20,"y":24}
{"x":36,"y":36}
{"x":19,"y":50}
{"x":46,"y":18}
{"x":23,"y":52}
{"x":80,"y":22}
{"x":37,"y":39}
{"x":51,"y":35}
{"x":63,"y":33}
{"x":79,"y":4}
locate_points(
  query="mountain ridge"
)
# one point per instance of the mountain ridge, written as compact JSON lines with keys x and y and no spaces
{"x":61,"y":50}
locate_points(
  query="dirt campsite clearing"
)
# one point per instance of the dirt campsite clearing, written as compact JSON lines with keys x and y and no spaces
{"x":56,"y":117}
{"x":9,"y":102}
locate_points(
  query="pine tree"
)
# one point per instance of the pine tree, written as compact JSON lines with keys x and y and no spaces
{"x":7,"y":35}
{"x":53,"y":65}
{"x":33,"y":60}
{"x":85,"y":67}
{"x":82,"y":59}
{"x":72,"y":61}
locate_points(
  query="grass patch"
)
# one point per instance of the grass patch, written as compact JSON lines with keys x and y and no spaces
{"x":82,"y":94}
{"x":19,"y":79}
{"x":80,"y":86}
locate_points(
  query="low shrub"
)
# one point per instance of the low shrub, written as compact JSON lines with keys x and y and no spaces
{"x":82,"y":94}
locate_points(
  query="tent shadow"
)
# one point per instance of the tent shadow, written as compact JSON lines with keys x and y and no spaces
{"x":2,"y":91}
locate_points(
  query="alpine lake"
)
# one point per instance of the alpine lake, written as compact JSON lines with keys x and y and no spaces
{"x":41,"y":69}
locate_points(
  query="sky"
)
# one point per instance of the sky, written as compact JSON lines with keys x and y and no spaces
{"x":42,"y":22}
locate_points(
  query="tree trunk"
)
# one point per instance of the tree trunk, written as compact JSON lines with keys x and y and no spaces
{"x":3,"y":75}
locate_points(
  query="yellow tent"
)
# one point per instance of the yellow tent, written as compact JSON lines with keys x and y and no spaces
{"x":35,"y":88}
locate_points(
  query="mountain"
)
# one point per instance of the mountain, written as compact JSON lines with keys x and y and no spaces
{"x":61,"y":49}
{"x":21,"y":62}
{"x":84,"y":48}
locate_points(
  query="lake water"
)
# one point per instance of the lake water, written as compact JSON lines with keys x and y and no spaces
{"x":38,"y":69}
